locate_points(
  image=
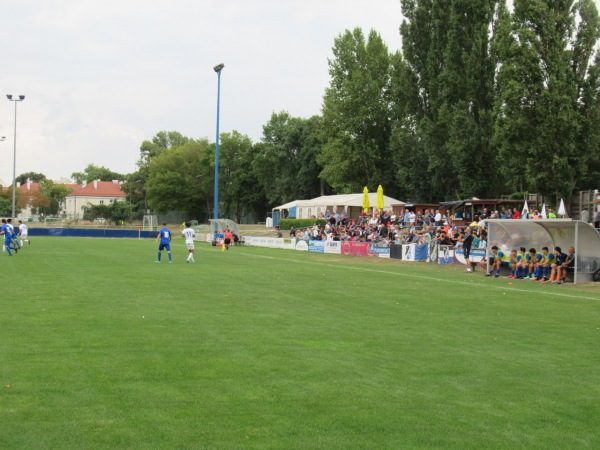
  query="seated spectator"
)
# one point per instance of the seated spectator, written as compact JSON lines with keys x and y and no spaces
{"x":458,"y":237}
{"x":445,"y":239}
{"x":568,"y":266}
{"x":555,"y":267}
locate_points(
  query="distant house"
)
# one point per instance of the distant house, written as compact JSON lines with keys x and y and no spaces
{"x":95,"y":193}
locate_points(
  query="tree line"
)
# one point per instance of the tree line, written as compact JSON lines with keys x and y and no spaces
{"x":482,"y":100}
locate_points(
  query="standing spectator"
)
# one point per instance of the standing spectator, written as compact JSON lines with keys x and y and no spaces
{"x":585,"y":216}
{"x":164,"y":242}
{"x":467,"y":242}
{"x":437,"y":218}
{"x":412,"y":219}
{"x":596,"y":219}
{"x":406,"y":217}
{"x":189,"y":235}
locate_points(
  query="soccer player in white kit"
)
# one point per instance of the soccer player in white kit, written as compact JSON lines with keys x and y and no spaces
{"x":23,"y":231}
{"x":189,"y":235}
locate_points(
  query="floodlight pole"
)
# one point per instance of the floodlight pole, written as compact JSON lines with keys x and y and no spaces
{"x":14,"y":186}
{"x":218,"y":69}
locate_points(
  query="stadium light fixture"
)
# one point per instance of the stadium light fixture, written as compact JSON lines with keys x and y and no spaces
{"x":14,"y":186}
{"x":218,"y":68}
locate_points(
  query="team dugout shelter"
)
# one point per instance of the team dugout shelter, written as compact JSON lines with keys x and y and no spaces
{"x":510,"y":234}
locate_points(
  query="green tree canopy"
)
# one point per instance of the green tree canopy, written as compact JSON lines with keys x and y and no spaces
{"x":239,"y":189}
{"x":285,"y":162}
{"x":547,"y":108}
{"x":180,"y":179}
{"x":443,"y":136}
{"x":56,"y":193}
{"x":33,"y":176}
{"x":356,"y":114}
{"x":93,"y":172}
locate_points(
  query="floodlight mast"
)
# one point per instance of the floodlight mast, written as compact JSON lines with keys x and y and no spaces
{"x":218,"y":68}
{"x":14,"y":186}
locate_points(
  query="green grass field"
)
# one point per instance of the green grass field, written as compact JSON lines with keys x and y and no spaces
{"x":271,"y":349}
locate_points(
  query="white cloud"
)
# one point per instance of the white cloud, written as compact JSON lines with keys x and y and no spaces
{"x":100,"y":77}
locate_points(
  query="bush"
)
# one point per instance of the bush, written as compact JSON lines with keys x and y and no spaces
{"x":286,"y":224}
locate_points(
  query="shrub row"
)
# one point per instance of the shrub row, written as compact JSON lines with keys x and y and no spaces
{"x":286,"y":224}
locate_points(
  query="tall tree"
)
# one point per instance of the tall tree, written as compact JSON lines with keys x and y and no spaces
{"x":240,"y":191}
{"x":180,"y":179}
{"x":285,"y":162}
{"x":547,"y":126}
{"x":444,"y":142}
{"x":161,"y":141}
{"x":56,"y":193}
{"x":32,"y":176}
{"x":136,"y":183}
{"x":93,"y":172}
{"x":356,"y":114}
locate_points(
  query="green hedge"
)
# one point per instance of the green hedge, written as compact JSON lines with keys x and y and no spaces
{"x":286,"y":224}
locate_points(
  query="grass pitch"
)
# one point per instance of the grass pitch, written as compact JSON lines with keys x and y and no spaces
{"x":270,"y":349}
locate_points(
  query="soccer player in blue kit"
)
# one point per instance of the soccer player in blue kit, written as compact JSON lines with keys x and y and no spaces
{"x":7,"y":231}
{"x":164,"y":242}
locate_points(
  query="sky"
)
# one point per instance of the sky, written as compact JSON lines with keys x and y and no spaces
{"x":100,"y":77}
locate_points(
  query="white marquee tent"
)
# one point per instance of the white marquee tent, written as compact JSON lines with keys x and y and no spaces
{"x":351,"y":203}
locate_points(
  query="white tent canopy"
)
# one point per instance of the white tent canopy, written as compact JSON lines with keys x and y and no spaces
{"x":286,"y":206}
{"x":351,"y":203}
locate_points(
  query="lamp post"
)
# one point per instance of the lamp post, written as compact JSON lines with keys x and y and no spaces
{"x":218,"y":69}
{"x":14,"y":186}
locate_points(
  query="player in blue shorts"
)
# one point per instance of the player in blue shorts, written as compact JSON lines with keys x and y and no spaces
{"x":522,"y":266}
{"x":542,"y":268}
{"x":498,"y":259}
{"x":532,"y":258}
{"x":7,"y":231}
{"x":164,"y":242}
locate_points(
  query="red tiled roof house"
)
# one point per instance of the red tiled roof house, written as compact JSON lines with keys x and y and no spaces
{"x":95,"y":193}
